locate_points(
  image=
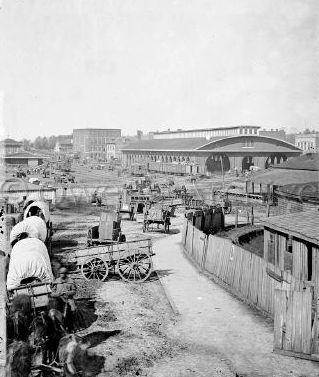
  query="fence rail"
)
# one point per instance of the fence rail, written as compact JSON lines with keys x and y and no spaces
{"x":245,"y":273}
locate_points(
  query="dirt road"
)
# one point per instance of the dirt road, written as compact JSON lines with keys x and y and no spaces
{"x":213,"y":322}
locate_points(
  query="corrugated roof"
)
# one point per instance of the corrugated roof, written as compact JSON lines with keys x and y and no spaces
{"x":303,"y":225}
{"x":305,"y":162}
{"x":302,"y":191}
{"x":281,"y":177}
{"x":181,"y":144}
{"x":11,"y":141}
{"x":23,"y":154}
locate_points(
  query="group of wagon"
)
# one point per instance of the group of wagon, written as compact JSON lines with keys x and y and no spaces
{"x":30,"y":275}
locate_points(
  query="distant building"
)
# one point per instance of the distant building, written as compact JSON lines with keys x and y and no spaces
{"x":308,"y":142}
{"x":96,"y":143}
{"x":212,"y":156}
{"x":23,"y":158}
{"x":9,"y":146}
{"x":64,"y":144}
{"x":207,"y":132}
{"x":275,"y":133}
{"x":293,"y":184}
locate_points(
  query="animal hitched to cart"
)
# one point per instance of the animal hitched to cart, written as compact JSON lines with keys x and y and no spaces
{"x":64,"y":289}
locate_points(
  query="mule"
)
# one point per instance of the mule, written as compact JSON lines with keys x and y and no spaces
{"x":19,"y":318}
{"x":19,"y":359}
{"x":47,"y":331}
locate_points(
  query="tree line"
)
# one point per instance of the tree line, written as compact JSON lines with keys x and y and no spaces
{"x":39,"y":142}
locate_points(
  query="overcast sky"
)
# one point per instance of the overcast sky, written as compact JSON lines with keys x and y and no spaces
{"x":157,"y":64}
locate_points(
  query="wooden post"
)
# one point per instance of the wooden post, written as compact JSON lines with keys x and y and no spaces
{"x":3,"y":325}
{"x":236,"y":218}
{"x":252,"y":215}
{"x":267,"y":210}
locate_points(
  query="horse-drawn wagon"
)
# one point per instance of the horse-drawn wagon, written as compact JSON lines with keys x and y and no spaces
{"x":158,"y":215}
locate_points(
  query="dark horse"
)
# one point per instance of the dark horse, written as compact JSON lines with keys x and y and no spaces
{"x":19,"y":318}
{"x":63,"y":307}
{"x":19,"y":359}
{"x":47,"y":331}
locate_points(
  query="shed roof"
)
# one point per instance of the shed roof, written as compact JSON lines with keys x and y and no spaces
{"x":181,"y":144}
{"x":302,"y":191}
{"x":303,"y":225}
{"x":9,"y":141}
{"x":308,"y":161}
{"x":281,"y":177}
{"x":24,"y":154}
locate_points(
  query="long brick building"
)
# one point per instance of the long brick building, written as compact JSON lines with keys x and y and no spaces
{"x":214,"y":154}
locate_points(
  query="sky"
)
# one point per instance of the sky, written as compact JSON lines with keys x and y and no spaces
{"x":157,"y":64}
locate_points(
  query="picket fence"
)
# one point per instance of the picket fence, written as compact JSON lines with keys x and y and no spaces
{"x":245,"y":273}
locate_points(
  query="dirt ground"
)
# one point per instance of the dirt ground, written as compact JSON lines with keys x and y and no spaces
{"x":132,"y":322}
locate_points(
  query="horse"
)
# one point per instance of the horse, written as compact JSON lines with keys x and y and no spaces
{"x":19,"y":359}
{"x":47,"y":331}
{"x":77,"y":359}
{"x":19,"y":318}
{"x":63,"y":307}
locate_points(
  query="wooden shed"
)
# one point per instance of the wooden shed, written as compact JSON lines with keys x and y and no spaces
{"x":291,"y":248}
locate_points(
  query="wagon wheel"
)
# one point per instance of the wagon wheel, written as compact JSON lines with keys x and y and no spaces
{"x":135,"y":268}
{"x":95,"y":268}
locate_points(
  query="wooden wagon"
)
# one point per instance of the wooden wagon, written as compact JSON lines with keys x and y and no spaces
{"x":158,"y":215}
{"x":131,"y":260}
{"x":108,"y":231}
{"x":38,"y":292}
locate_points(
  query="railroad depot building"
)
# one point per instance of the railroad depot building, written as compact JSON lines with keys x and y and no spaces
{"x":96,"y":144}
{"x":211,"y":155}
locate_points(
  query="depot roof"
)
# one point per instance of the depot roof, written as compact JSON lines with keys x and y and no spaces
{"x":221,"y":144}
{"x":168,"y":144}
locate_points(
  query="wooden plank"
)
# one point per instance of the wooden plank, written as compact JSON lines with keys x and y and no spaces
{"x":279,"y":319}
{"x":298,"y":355}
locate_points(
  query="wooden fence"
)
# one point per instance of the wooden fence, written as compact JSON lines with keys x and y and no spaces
{"x":247,"y":274}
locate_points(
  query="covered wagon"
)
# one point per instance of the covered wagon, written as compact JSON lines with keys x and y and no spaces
{"x":29,"y":261}
{"x":31,"y":227}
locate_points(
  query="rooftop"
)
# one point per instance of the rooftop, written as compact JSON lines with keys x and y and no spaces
{"x":282,"y":177}
{"x":302,"y":225}
{"x":11,"y":142}
{"x":179,"y":144}
{"x":301,"y":191}
{"x":96,"y":129}
{"x":204,"y":129}
{"x":308,"y":161}
{"x":24,"y":154}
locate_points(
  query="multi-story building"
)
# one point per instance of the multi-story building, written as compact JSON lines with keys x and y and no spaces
{"x":9,"y":146}
{"x":308,"y":142}
{"x":208,"y":132}
{"x":64,"y":144}
{"x":96,"y":144}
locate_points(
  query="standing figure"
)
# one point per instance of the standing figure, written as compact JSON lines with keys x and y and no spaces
{"x":64,"y":289}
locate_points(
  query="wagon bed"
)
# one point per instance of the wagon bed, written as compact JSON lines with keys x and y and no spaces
{"x":132,"y":260}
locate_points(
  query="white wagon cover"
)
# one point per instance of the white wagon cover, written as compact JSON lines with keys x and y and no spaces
{"x":34,"y":226}
{"x":43,"y":206}
{"x":29,"y":258}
